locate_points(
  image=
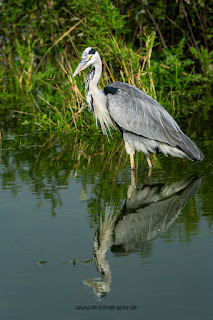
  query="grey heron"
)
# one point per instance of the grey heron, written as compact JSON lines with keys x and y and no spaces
{"x":144,"y":124}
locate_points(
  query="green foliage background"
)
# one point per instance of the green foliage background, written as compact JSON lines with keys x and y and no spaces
{"x":162,"y":47}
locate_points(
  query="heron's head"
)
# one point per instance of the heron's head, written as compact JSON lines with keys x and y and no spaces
{"x":88,"y":57}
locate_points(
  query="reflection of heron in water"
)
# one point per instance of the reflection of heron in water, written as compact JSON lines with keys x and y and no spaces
{"x":102,"y":242}
{"x":147,"y":213}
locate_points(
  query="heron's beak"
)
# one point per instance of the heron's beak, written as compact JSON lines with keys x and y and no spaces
{"x":82,"y":65}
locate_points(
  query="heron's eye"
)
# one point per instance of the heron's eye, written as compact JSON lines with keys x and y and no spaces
{"x":89,"y":58}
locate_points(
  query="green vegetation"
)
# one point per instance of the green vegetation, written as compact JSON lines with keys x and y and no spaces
{"x":161,"y":47}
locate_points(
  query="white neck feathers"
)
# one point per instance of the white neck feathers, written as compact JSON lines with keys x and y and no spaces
{"x":96,"y":98}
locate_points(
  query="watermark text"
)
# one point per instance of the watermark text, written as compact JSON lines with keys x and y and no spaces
{"x":106,"y":307}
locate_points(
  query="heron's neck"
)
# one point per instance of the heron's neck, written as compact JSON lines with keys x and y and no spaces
{"x":93,"y":77}
{"x":96,"y":99}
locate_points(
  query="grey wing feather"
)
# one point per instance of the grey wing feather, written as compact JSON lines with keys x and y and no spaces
{"x":136,"y":112}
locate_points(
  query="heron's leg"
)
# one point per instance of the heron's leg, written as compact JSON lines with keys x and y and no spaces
{"x":132,"y":178}
{"x":149,"y":173}
{"x":148,"y":161}
{"x":154,"y":156}
{"x":132,"y":162}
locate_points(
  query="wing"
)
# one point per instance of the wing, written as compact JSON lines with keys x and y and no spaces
{"x":136,"y":112}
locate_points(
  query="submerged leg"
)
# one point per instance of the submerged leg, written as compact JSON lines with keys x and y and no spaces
{"x":132,"y":162}
{"x":149,"y":173}
{"x":148,"y":161}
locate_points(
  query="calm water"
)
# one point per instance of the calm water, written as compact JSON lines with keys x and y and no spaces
{"x":78,"y":233}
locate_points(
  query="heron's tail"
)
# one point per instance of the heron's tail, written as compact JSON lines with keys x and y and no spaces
{"x":190,"y":149}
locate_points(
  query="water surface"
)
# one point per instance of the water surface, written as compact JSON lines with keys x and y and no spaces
{"x":80,"y":238}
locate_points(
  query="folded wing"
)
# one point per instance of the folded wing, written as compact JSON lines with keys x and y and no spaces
{"x":134,"y":111}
